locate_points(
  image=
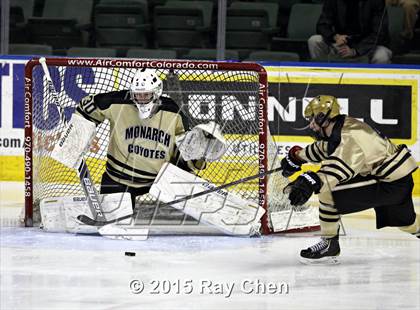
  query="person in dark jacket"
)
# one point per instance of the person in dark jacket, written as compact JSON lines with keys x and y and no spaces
{"x":352,"y":28}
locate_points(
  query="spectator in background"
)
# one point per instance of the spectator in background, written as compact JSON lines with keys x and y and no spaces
{"x":411,"y":9}
{"x":352,"y":28}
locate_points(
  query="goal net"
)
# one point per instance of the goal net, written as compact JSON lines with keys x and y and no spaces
{"x":234,"y":95}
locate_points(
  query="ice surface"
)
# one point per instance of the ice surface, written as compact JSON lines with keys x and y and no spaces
{"x":378,"y":270}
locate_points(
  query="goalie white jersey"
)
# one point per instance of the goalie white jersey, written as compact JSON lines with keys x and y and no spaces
{"x":137,"y":147}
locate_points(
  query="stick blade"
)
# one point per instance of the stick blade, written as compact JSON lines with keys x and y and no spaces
{"x":91,"y":222}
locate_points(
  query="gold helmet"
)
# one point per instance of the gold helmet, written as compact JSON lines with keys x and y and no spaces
{"x":322,"y":107}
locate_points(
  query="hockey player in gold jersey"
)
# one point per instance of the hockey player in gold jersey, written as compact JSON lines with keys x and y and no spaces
{"x":143,"y":127}
{"x":360,"y":169}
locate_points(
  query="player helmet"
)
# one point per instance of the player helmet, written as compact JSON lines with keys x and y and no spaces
{"x":145,"y":91}
{"x":322,"y":108}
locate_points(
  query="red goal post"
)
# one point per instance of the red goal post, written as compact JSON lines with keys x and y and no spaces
{"x":35,"y":98}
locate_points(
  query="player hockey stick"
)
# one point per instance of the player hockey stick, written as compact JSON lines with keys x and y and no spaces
{"x":88,"y":221}
{"x":88,"y":186}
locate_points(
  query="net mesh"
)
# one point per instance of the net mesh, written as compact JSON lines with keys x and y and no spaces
{"x":229,"y":98}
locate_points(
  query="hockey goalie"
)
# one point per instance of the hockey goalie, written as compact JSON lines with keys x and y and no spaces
{"x":151,"y":149}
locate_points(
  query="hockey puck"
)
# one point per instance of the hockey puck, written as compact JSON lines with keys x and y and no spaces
{"x":130,"y":254}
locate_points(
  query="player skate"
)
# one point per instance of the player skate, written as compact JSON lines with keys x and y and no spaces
{"x":324,"y":252}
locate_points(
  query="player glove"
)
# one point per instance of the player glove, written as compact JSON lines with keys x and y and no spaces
{"x":291,"y":163}
{"x":303,"y":187}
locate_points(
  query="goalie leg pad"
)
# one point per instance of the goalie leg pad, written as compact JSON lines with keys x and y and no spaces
{"x":59,"y":214}
{"x":226,"y":211}
{"x":124,"y":232}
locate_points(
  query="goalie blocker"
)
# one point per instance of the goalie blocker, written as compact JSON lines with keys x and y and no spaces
{"x":74,"y":142}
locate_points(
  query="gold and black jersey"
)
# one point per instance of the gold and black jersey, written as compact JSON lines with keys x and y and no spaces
{"x":137,"y":147}
{"x":355,"y":148}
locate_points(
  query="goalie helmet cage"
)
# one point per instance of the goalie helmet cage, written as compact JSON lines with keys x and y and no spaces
{"x":232,"y":94}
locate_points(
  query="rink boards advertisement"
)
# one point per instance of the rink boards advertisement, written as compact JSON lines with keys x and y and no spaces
{"x":387,"y":99}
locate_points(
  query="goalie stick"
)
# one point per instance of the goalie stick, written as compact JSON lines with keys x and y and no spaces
{"x":89,"y":221}
{"x":88,"y":186}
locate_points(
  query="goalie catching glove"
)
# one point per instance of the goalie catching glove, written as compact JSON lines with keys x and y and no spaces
{"x":303,"y":187}
{"x":204,"y":141}
{"x":291,"y":163}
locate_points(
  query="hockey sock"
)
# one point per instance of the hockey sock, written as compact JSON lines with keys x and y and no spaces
{"x":329,"y":220}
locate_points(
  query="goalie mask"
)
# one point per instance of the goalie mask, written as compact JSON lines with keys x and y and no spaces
{"x":145,"y":91}
{"x":320,"y":111}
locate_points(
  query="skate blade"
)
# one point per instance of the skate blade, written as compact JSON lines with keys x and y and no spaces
{"x":328,"y":260}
